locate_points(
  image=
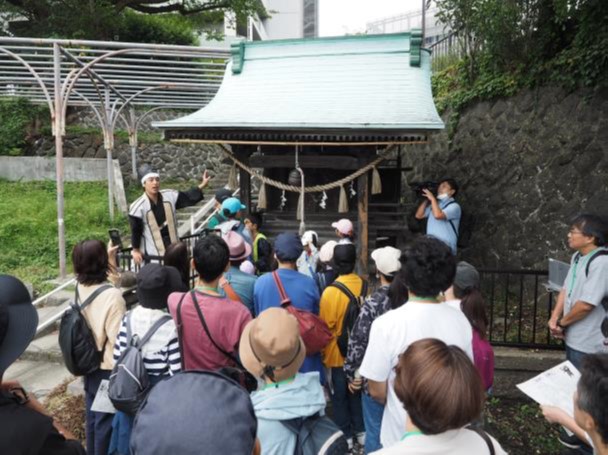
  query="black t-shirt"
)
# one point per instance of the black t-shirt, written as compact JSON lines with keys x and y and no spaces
{"x":24,"y":431}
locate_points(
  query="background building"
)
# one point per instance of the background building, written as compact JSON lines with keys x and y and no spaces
{"x":433,"y":30}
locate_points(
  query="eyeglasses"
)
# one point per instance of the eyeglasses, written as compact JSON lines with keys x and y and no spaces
{"x":575,"y":232}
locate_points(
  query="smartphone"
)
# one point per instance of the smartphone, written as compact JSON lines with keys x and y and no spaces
{"x":115,"y":237}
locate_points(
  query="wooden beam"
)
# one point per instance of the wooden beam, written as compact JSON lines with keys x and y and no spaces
{"x":306,"y":162}
{"x":244,"y":178}
{"x":363,"y":228}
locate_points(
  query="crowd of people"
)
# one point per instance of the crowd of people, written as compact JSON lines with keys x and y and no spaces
{"x":229,"y":362}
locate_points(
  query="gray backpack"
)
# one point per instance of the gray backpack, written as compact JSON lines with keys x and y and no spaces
{"x":129,"y":382}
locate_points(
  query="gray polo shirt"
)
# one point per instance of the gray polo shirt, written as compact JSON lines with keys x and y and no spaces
{"x":585,"y":335}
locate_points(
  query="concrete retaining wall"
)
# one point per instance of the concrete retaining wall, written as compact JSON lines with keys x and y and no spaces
{"x":33,"y":168}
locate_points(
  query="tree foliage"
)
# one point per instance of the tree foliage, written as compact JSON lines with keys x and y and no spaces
{"x":18,"y":119}
{"x":175,"y":22}
{"x":510,"y":44}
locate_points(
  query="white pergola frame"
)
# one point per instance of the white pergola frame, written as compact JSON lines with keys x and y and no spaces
{"x":119,"y":78}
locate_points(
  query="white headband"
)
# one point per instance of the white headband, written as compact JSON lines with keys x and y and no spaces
{"x":149,"y":175}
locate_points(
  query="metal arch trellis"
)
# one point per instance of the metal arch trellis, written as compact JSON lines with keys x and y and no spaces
{"x":121,"y":76}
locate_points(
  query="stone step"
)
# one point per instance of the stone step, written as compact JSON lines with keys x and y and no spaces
{"x":44,"y":349}
{"x":59,"y":298}
{"x":46,"y":313}
{"x":37,"y":377}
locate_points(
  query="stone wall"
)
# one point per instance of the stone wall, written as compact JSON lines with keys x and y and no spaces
{"x":526,"y":165}
{"x":175,"y":162}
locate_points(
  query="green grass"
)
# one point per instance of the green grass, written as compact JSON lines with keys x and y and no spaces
{"x":28,"y":227}
{"x":28,"y":224}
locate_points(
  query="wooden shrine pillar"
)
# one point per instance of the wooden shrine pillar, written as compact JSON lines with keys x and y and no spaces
{"x":363,"y":227}
{"x":244,"y":178}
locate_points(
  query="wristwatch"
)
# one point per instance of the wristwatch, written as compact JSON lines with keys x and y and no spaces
{"x":559,"y":324}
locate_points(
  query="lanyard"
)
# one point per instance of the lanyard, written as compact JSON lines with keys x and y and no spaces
{"x":276,"y":385}
{"x":410,"y":433}
{"x":207,"y":288}
{"x":583,"y":262}
{"x":423,"y":299}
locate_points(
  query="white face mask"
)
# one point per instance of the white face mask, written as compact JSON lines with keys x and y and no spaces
{"x":443,"y":196}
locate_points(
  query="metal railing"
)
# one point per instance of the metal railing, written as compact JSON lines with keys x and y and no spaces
{"x":518,"y":306}
{"x":445,"y":52}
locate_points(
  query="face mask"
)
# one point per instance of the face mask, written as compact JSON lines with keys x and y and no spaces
{"x":442,"y":196}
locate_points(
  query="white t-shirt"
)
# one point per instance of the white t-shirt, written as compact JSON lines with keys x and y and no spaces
{"x":454,"y":442}
{"x":454,"y":304}
{"x":390,"y":336}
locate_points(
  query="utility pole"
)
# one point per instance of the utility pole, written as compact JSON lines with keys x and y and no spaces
{"x":423,"y":20}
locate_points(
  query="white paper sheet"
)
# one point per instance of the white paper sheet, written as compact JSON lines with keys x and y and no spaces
{"x":554,"y":387}
{"x":102,"y":402}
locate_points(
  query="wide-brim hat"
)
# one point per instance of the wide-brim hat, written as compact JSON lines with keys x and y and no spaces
{"x":155,"y":283}
{"x":272,"y":342}
{"x":238,"y":247}
{"x":18,"y":320}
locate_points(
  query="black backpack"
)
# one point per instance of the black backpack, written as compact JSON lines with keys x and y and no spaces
{"x":350,"y":315}
{"x":76,"y":340}
{"x":317,"y":435}
{"x":129,"y":381}
{"x":465,"y":228}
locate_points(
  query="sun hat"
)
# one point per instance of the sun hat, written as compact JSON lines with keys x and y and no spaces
{"x":169,"y":420}
{"x":18,"y":320}
{"x":387,"y":260}
{"x":467,"y":276}
{"x":271,"y":345}
{"x":326,"y":253}
{"x":154,"y":284}
{"x":232,"y":205}
{"x":288,"y":247}
{"x":343,"y":226}
{"x":222,"y":194}
{"x":309,"y":237}
{"x":239,"y":248}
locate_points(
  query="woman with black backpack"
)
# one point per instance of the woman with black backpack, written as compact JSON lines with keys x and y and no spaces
{"x":103,"y":312}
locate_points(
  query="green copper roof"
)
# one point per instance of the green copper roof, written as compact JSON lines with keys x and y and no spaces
{"x":352,"y":83}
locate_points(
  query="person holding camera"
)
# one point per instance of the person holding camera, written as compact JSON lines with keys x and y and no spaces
{"x":443,"y":213}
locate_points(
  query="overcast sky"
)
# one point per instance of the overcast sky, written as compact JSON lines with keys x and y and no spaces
{"x":339,"y":17}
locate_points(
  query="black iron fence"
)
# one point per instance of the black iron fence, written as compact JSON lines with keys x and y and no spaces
{"x":519,"y":306}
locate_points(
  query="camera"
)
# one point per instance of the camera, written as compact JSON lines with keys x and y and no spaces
{"x":418,"y":187}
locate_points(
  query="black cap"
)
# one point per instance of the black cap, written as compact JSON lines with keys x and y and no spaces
{"x":154,"y":284}
{"x":222,"y":194}
{"x":345,"y":253}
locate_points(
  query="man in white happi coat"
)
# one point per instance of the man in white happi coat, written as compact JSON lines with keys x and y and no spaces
{"x":152,"y":216}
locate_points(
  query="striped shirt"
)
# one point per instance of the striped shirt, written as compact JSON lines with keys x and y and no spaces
{"x":161,"y":353}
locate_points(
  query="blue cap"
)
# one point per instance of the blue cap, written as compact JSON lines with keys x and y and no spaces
{"x":288,"y":246}
{"x":233,"y":205}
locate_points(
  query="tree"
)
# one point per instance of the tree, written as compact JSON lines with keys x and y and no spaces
{"x":107,"y":19}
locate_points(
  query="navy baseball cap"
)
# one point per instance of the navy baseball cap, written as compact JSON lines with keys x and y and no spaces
{"x":288,"y":247}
